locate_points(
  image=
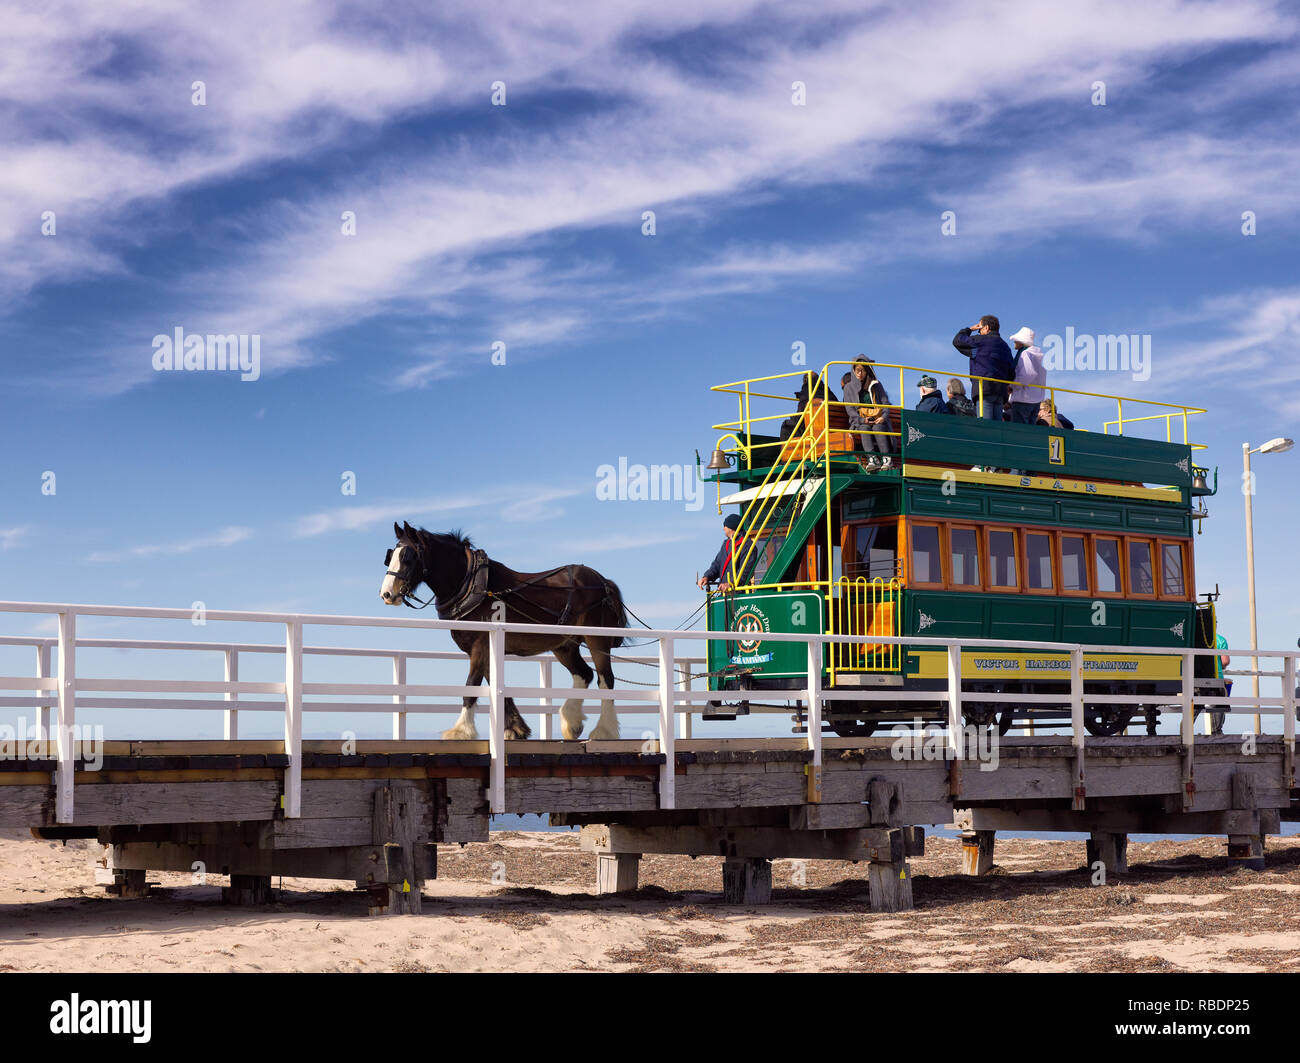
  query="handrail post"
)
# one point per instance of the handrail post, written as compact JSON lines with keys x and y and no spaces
{"x":293,"y":718}
{"x":67,"y":717}
{"x":43,"y":707}
{"x":688,"y":684}
{"x":399,"y":715}
{"x":230,"y":726}
{"x":544,"y":681}
{"x":815,"y":653}
{"x":1288,"y":720}
{"x":1078,"y":733}
{"x":1187,"y":704}
{"x":667,"y":727}
{"x":955,"y":745}
{"x":496,"y":720}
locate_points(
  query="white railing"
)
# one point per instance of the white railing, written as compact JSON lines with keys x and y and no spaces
{"x":672,"y":698}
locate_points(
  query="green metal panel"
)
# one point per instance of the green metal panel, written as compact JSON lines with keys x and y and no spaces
{"x":881,"y":502}
{"x":1039,"y":618}
{"x":795,"y":612}
{"x":979,"y":441}
{"x":1075,"y":515}
{"x":1016,"y":508}
{"x":1023,"y":506}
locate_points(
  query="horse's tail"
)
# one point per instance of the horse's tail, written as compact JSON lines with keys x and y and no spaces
{"x":616,"y":609}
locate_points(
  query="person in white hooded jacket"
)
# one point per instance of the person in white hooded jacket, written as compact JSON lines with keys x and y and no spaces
{"x":1031,"y":378}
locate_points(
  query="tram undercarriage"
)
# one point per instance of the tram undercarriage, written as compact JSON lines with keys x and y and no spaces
{"x":860,"y":719}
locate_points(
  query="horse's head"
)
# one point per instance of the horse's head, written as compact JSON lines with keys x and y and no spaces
{"x":405,"y":566}
{"x":419,"y":557}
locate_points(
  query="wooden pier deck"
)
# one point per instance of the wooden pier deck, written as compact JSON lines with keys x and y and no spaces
{"x":376,"y":814}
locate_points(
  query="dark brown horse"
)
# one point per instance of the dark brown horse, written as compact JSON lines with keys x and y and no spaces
{"x":468,"y":585}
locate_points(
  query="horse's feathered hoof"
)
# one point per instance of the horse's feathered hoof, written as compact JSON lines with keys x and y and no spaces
{"x":460,"y":734}
{"x":604,"y":734}
{"x":518,"y":730}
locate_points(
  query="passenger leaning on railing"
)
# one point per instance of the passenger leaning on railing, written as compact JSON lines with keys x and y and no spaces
{"x":989,"y":357}
{"x":868,"y":412}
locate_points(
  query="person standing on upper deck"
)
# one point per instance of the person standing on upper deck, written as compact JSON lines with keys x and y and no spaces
{"x":1031,"y":378}
{"x":989,"y":357}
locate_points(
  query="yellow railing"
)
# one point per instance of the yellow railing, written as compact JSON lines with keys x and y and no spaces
{"x":866,"y":607}
{"x":745,"y":391}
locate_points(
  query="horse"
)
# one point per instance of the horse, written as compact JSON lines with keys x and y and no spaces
{"x":468,"y":585}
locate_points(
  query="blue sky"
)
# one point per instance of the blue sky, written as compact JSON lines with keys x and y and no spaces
{"x":522,"y":223}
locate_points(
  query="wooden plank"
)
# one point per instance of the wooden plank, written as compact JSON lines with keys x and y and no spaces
{"x":316,"y":833}
{"x":745,"y":842}
{"x":729,"y":791}
{"x":592,"y":793}
{"x":1120,"y":822}
{"x":920,"y":781}
{"x":27,"y":806}
{"x":890,"y":886}
{"x":977,"y":852}
{"x":829,"y":817}
{"x":885,"y":800}
{"x":209,"y":802}
{"x":1045,"y":780}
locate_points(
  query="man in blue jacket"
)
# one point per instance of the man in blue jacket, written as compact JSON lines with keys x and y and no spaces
{"x":720,"y":571}
{"x":931,"y":400}
{"x":989,"y":357}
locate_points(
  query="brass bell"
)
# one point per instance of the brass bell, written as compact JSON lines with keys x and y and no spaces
{"x":720,"y":460}
{"x":1198,"y":481}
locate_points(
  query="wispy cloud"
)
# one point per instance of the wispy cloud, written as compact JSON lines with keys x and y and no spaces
{"x":226,"y":537}
{"x":11,"y":537}
{"x":518,"y":504}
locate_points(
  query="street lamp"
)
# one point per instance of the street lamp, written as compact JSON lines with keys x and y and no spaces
{"x":1274,"y":446}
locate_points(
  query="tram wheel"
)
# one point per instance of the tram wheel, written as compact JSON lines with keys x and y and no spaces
{"x":1106,"y":722}
{"x":849,"y":728}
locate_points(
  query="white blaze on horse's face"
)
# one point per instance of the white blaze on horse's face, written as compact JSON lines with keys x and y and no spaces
{"x":393,"y":589}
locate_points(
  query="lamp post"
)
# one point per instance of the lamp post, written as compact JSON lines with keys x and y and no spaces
{"x":1273,"y":446}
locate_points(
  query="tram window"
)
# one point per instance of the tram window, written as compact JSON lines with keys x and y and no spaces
{"x":1108,"y":572}
{"x":1074,"y":564}
{"x":1002,"y":559}
{"x":965,"y":555}
{"x":875,"y":551}
{"x":1171,"y":570}
{"x":1038,"y":561}
{"x":1140,"y":577}
{"x":926,"y":567}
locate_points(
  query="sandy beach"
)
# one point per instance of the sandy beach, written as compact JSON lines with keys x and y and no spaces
{"x":523,"y":902}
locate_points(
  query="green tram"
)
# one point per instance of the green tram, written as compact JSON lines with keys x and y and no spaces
{"x":1075,"y":536}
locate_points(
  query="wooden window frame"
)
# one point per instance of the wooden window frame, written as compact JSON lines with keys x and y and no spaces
{"x":910,"y":575}
{"x":1089,"y":583}
{"x":1017,"y":548}
{"x":1049,"y":534}
{"x":1121,"y":559}
{"x":1183,"y":551}
{"x":850,"y":531}
{"x":980,"y":558}
{"x":1130,"y":540}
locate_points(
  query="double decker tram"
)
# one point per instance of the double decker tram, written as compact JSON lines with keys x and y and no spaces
{"x":976,"y":529}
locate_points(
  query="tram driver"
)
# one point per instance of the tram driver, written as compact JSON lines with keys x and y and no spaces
{"x":719,"y":572}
